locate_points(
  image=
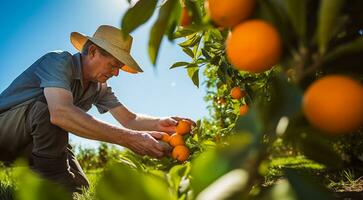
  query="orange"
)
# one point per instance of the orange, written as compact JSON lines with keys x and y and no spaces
{"x":165,"y":137}
{"x":180,"y":153}
{"x":254,"y":46}
{"x":185,"y":19}
{"x":243,"y":110}
{"x":334,"y":104}
{"x":229,"y":13}
{"x":128,"y":69}
{"x":237,"y":93}
{"x":183,"y":127}
{"x":176,"y":140}
{"x":221,"y":101}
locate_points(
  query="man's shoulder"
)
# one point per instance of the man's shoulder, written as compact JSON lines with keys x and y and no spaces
{"x":59,"y":55}
{"x":54,"y":62}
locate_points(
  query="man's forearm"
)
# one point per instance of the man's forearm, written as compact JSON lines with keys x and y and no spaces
{"x":75,"y":120}
{"x":143,"y":123}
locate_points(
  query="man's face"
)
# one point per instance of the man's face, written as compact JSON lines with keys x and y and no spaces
{"x":104,"y":66}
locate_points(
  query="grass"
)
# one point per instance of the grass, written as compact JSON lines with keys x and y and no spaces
{"x":7,"y":184}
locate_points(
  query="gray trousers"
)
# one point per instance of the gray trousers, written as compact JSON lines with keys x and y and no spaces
{"x":26,"y":131}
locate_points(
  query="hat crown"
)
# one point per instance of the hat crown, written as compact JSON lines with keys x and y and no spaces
{"x":114,"y":36}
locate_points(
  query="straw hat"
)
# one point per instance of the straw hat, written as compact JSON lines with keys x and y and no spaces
{"x":111,"y":40}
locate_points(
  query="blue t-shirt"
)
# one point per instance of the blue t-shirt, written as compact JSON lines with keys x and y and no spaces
{"x":58,"y":69}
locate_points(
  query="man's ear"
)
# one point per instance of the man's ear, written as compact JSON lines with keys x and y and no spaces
{"x":92,"y":50}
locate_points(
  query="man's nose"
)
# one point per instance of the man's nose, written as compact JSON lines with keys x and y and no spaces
{"x":115,"y":71}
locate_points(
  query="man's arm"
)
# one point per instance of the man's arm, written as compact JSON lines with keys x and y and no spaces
{"x":134,"y":121}
{"x":70,"y":118}
{"x":143,"y":122}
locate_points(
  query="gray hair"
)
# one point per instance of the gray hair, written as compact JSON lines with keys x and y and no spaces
{"x":86,"y":46}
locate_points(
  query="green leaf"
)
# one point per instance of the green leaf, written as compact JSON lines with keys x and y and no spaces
{"x":192,"y":41}
{"x":189,"y":52}
{"x":345,"y":49}
{"x":174,"y":21}
{"x":179,"y":64}
{"x":297,"y":13}
{"x":121,"y":182}
{"x":328,"y":15}
{"x":208,"y":167}
{"x":183,"y":32}
{"x":32,"y":187}
{"x":176,"y":174}
{"x":227,"y":186}
{"x":250,"y":123}
{"x":306,"y":187}
{"x":193,"y":73}
{"x":194,"y":8}
{"x":159,"y":28}
{"x":137,"y":15}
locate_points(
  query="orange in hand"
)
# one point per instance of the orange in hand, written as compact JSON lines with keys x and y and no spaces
{"x":183,"y":127}
{"x":180,"y":153}
{"x":165,"y":137}
{"x":176,"y":140}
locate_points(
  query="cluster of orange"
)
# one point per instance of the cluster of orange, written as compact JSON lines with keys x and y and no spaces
{"x":180,"y":152}
{"x":253,"y":45}
{"x":237,"y":93}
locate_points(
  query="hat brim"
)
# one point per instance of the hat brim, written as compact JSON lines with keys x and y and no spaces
{"x":78,"y":40}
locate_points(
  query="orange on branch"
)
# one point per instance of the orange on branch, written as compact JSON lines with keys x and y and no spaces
{"x":334,"y":104}
{"x":254,"y":46}
{"x":237,"y":93}
{"x":176,"y":140}
{"x":243,"y":110}
{"x":183,"y":127}
{"x":229,"y":13}
{"x":185,"y":19}
{"x":180,"y":153}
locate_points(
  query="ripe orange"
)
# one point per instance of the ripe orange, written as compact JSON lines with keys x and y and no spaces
{"x":229,"y":13}
{"x":221,"y":101}
{"x":180,"y":153}
{"x":183,"y":127}
{"x":254,"y":46}
{"x":334,"y":104}
{"x":165,"y":137}
{"x":243,"y":110}
{"x":128,"y":69}
{"x":237,"y":93}
{"x":176,"y":140}
{"x":185,"y":19}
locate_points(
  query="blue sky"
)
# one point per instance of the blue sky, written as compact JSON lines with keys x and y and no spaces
{"x":30,"y":29}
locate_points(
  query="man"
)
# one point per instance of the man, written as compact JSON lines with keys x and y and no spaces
{"x":51,"y":97}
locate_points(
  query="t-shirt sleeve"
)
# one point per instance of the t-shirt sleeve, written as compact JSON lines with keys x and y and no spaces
{"x":106,"y":99}
{"x":55,"y":70}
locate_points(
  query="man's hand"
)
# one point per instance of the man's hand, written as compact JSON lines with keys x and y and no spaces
{"x":146,"y":143}
{"x":168,"y":124}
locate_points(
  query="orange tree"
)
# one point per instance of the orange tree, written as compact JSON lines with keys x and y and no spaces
{"x":276,"y":52}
